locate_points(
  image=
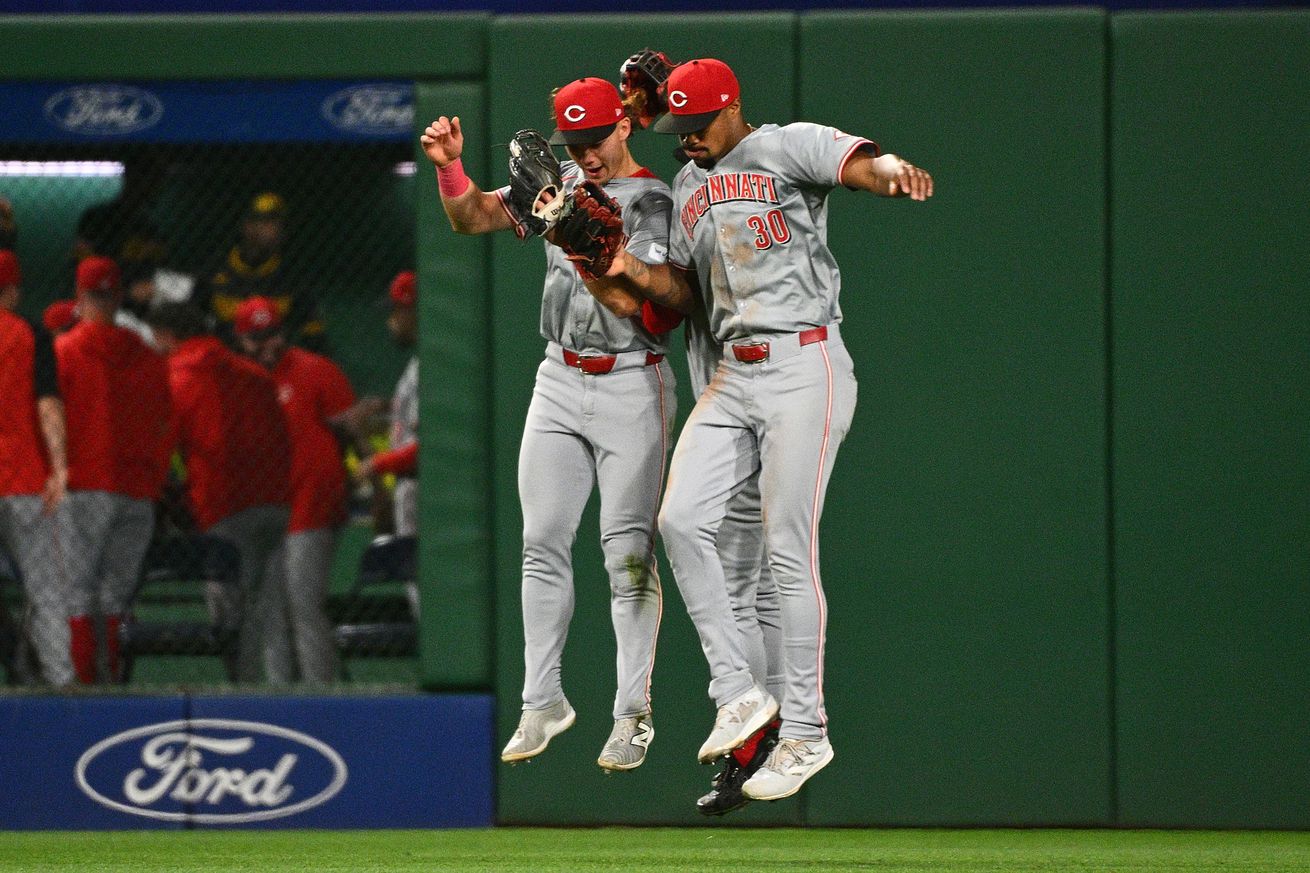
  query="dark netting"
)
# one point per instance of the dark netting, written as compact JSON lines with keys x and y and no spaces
{"x":218,"y":525}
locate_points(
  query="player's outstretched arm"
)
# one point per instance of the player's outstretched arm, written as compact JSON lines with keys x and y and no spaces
{"x":658,"y":283}
{"x":887,"y":176}
{"x":470,"y":209}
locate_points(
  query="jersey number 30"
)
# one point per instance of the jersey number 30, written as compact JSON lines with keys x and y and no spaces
{"x":770,"y":228}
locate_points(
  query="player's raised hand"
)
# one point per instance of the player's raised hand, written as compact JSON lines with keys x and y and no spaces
{"x":911,"y":181}
{"x":443,"y":141}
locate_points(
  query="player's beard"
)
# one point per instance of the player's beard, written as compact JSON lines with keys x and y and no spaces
{"x":705,"y":163}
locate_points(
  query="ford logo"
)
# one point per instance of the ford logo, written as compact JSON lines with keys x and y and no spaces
{"x":211,"y":771}
{"x":104,"y":109}
{"x":371,"y":109}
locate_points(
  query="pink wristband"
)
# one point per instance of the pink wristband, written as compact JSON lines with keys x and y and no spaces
{"x":452,"y":180}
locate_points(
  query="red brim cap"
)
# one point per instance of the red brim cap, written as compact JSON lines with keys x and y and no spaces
{"x":586,"y":112}
{"x":59,"y":315}
{"x":404,"y":289}
{"x":698,"y":90}
{"x":98,"y":275}
{"x":256,"y":317}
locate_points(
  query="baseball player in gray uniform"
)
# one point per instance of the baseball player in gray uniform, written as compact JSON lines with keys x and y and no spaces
{"x":404,"y":432}
{"x":600,"y":414}
{"x":750,"y":233}
{"x":749,"y":582}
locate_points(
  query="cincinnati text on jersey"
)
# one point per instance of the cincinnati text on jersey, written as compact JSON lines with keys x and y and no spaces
{"x":725,"y":187}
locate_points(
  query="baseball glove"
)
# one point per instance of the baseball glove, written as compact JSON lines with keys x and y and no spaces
{"x":642,"y":78}
{"x":535,"y":189}
{"x":592,"y":231}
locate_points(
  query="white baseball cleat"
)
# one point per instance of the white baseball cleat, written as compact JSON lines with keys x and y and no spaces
{"x":790,"y":763}
{"x":627,"y":745}
{"x":736,"y":721}
{"x":536,"y":727}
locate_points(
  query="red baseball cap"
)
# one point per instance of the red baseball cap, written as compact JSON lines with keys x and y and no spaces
{"x":10,"y":273}
{"x":99,"y":275}
{"x":697,"y":91}
{"x":59,"y":315}
{"x":586,"y":111}
{"x":256,"y":315}
{"x":404,"y":289}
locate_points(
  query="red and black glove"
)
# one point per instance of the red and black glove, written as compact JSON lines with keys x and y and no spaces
{"x":642,"y":79}
{"x":591,"y":232}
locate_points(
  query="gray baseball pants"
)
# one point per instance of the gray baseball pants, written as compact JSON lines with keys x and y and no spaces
{"x":582,"y":431}
{"x":785,"y":415}
{"x":257,"y":534}
{"x":754,"y":597}
{"x":299,"y":643}
{"x":405,"y":501}
{"x":107,"y":540}
{"x":37,"y":543}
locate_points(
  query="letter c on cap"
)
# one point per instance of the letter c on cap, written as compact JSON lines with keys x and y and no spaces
{"x":575,"y":113}
{"x":677,"y":99}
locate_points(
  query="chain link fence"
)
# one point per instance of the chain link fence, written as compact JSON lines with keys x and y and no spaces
{"x":234,"y":352}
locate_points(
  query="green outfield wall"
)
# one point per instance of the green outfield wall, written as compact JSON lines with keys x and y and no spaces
{"x":1065,"y":547}
{"x":1211,"y":331}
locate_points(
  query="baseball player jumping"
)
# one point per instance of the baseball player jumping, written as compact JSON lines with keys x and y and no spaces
{"x":749,"y":243}
{"x":600,"y":413}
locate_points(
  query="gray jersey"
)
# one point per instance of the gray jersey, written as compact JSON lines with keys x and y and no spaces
{"x":404,"y":431}
{"x":703,"y":351}
{"x":404,"y":407}
{"x":570,"y":315}
{"x":755,"y":229}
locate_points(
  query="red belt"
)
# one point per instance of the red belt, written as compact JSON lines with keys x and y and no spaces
{"x":753,"y":353}
{"x":598,"y":365}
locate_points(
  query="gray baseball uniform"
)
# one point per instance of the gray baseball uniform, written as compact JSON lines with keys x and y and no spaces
{"x":299,"y":639}
{"x":599,"y":416}
{"x":754,"y":229}
{"x":37,"y":542}
{"x":740,"y":542}
{"x":107,"y":542}
{"x":258,"y":533}
{"x":404,"y":431}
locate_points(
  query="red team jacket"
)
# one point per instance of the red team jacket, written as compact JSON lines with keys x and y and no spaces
{"x":116,"y":401}
{"x":26,"y":373}
{"x":230,"y":430}
{"x":312,"y":389}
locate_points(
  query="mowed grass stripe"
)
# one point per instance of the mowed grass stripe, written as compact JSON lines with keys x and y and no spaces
{"x":658,"y":849}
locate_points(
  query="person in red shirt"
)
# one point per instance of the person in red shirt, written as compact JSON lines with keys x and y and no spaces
{"x":317,"y":399}
{"x":402,"y":458}
{"x":116,"y":398}
{"x":34,"y":475}
{"x":232,"y":435}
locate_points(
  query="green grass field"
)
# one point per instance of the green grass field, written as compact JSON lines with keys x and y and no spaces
{"x":693,"y":849}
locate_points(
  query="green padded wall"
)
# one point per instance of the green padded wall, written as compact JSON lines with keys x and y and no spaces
{"x":455,"y":559}
{"x":964,"y":534}
{"x":565,"y":785}
{"x":1212,"y":426}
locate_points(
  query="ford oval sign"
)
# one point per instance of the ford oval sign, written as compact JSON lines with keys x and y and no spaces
{"x":371,"y":109}
{"x":211,"y":771}
{"x":102,"y":110}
